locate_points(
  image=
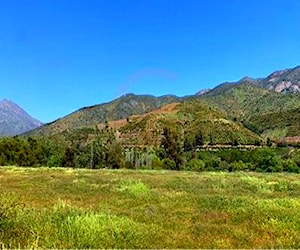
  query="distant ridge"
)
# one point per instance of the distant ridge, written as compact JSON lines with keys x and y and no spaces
{"x":281,"y":81}
{"x":14,"y":120}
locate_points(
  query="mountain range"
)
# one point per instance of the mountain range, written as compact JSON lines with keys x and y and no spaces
{"x":246,"y":111}
{"x":281,"y":81}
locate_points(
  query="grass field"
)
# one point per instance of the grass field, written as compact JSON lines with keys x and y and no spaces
{"x":66,"y":208}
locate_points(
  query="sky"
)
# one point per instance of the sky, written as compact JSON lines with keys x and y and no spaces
{"x":57,"y":56}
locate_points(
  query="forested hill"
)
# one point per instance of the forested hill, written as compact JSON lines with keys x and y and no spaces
{"x":190,"y":118}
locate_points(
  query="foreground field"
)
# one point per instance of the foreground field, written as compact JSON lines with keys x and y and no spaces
{"x":65,"y":208}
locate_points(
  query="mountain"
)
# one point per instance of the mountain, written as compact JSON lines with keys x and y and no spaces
{"x":121,"y":108}
{"x":203,"y":91}
{"x":14,"y":120}
{"x":189,"y":117}
{"x":287,"y":81}
{"x":263,"y":105}
{"x":224,"y":114}
{"x":277,"y":125}
{"x":282,"y":81}
{"x":242,"y":100}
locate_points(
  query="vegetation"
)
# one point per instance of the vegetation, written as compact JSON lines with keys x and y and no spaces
{"x":66,"y":208}
{"x":174,"y":153}
{"x":188,"y":118}
{"x":259,"y":109}
{"x":243,"y":113}
{"x":287,"y":121}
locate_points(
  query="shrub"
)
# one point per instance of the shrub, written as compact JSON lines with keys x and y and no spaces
{"x":270,"y":163}
{"x":195,"y":165}
{"x":290,"y":166}
{"x":157,"y":163}
{"x":238,"y":166}
{"x":54,"y":161}
{"x":169,"y":164}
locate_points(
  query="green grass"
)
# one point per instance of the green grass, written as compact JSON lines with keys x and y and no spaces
{"x":66,"y":208}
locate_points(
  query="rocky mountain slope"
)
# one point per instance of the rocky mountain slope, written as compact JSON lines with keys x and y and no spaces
{"x":281,"y":81}
{"x":14,"y":120}
{"x":287,"y":81}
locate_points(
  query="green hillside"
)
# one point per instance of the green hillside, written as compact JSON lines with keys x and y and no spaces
{"x":120,"y":108}
{"x":245,"y":100}
{"x":188,"y":118}
{"x":277,"y":124}
{"x":259,"y":109}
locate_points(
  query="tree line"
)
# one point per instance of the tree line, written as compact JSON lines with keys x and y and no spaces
{"x":104,"y":150}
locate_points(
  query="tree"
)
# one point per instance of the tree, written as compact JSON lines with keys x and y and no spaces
{"x":188,"y":145}
{"x":172,"y":147}
{"x":115,"y":157}
{"x":68,"y":160}
{"x":199,"y":139}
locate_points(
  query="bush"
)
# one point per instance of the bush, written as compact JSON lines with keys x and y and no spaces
{"x":169,"y":164}
{"x":290,"y":166}
{"x":195,"y":165}
{"x":238,"y":166}
{"x":54,"y":161}
{"x":115,"y":158}
{"x":157,"y":163}
{"x":213,"y":163}
{"x":269,"y":164}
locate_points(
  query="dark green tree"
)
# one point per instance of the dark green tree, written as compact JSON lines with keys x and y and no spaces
{"x":68,"y":159}
{"x":199,"y":139}
{"x":188,"y":145}
{"x":171,"y":145}
{"x":114,"y":157}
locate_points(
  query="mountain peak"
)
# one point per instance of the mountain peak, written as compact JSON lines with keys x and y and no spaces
{"x":14,"y":120}
{"x":9,"y":106}
{"x":247,"y":79}
{"x":6,"y":101}
{"x":202,"y":92}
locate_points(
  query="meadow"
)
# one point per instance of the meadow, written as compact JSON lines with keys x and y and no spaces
{"x":82,"y":208}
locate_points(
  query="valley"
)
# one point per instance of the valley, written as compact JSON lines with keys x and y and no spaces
{"x":217,"y":169}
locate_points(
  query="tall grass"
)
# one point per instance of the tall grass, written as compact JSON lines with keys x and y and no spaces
{"x":42,"y":208}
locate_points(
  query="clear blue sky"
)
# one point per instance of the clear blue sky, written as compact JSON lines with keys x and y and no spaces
{"x":59,"y":55}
